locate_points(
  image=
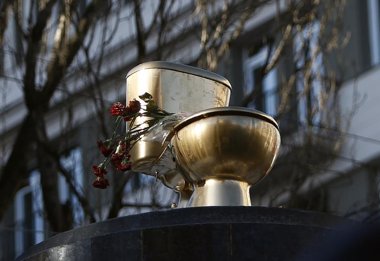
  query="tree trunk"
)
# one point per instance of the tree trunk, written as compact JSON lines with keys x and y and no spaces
{"x":15,"y":173}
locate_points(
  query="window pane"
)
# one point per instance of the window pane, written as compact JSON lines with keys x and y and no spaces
{"x":374,"y":30}
{"x":266,"y":94}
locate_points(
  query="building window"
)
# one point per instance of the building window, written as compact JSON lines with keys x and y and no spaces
{"x":266,"y":95}
{"x":306,"y":44}
{"x":30,"y":224}
{"x":72,"y":162}
{"x":29,"y":215}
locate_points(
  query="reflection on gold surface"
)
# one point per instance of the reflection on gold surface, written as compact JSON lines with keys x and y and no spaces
{"x":174,"y":91}
{"x":235,"y":144}
{"x":219,"y":152}
{"x":145,"y":154}
{"x":221,"y":192}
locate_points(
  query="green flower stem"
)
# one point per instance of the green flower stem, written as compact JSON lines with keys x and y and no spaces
{"x":117,"y":123}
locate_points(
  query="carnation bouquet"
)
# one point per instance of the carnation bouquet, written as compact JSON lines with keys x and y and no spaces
{"x":116,"y":149}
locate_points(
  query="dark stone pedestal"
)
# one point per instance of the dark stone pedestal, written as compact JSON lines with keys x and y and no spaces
{"x":207,"y":233}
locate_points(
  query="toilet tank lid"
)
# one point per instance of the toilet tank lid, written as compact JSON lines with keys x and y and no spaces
{"x":180,"y":68}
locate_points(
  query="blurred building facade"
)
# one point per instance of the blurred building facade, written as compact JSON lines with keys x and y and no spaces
{"x":348,"y":186}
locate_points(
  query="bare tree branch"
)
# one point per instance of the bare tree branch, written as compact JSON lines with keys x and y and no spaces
{"x":34,"y":39}
{"x":16,"y":167}
{"x":62,"y":58}
{"x":15,"y":172}
{"x":118,"y":192}
{"x":141,"y":36}
{"x":3,"y":19}
{"x":81,"y":198}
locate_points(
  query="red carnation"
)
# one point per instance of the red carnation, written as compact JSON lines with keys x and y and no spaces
{"x":122,"y":148}
{"x":123,"y":166}
{"x":100,"y":183}
{"x":118,"y":109}
{"x":116,"y":158}
{"x":116,"y":149}
{"x":99,"y":171}
{"x":134,"y":106}
{"x":121,"y":161}
{"x":104,"y":149}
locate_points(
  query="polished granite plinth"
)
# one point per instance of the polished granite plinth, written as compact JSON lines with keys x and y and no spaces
{"x":204,"y":233}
